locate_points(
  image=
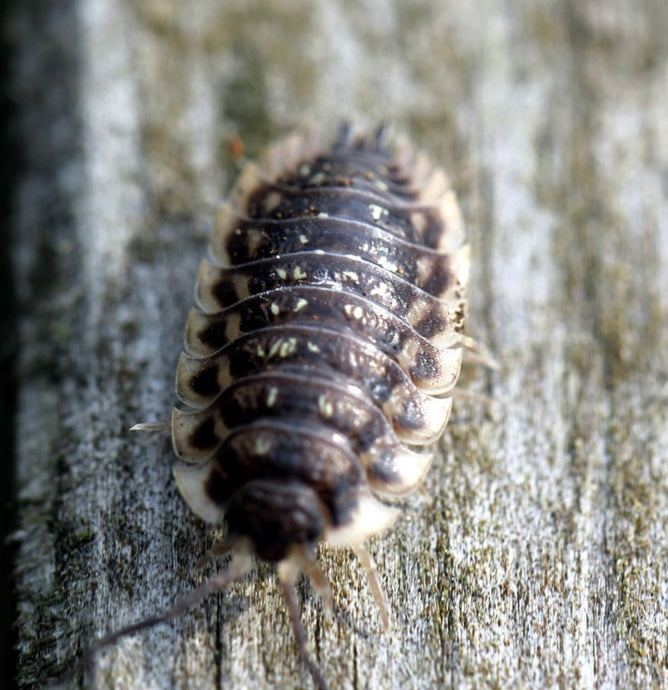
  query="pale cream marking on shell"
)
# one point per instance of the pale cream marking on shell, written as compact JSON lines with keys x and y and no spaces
{"x":281,"y":273}
{"x":262,"y":446}
{"x":376,"y":211}
{"x":274,"y":309}
{"x":184,"y":423}
{"x":446,"y":340}
{"x":254,"y":238}
{"x":407,"y":356}
{"x":318,"y":178}
{"x":208,"y":275}
{"x":423,"y":268}
{"x":192,"y":337}
{"x":271,"y":163}
{"x":452,"y":238}
{"x":298,"y":274}
{"x":381,"y":290}
{"x":291,"y":148}
{"x":388,"y":265}
{"x":271,"y":396}
{"x":288,"y":347}
{"x":313,"y":347}
{"x":275,"y":347}
{"x":370,"y":517}
{"x":417,"y":312}
{"x":325,"y":406}
{"x":450,"y":362}
{"x":303,"y":239}
{"x":353,"y":311}
{"x":410,"y":468}
{"x":301,"y":303}
{"x":435,"y":413}
{"x":351,"y":275}
{"x":232,"y":325}
{"x":318,"y":251}
{"x":322,"y":214}
{"x":241,"y":286}
{"x":381,"y":185}
{"x":461,"y":264}
{"x":191,"y":480}
{"x":419,"y":222}
{"x":271,"y":201}
{"x":434,"y":186}
{"x":248,"y":181}
{"x":421,"y":168}
{"x":304,"y":169}
{"x":222,"y":228}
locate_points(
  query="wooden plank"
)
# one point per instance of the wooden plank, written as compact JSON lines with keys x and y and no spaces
{"x":538,"y":556}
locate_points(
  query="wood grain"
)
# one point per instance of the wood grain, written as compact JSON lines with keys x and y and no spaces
{"x":538,"y":555}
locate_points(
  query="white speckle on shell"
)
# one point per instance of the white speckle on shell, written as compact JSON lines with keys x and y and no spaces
{"x":376,"y":211}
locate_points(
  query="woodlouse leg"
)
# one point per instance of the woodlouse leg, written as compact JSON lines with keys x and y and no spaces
{"x":469,"y":396}
{"x":476,"y":353}
{"x":153,"y":427}
{"x":288,"y":571}
{"x":369,"y":565}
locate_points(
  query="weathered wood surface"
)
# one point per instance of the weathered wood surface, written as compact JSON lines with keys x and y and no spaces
{"x":542,"y":558}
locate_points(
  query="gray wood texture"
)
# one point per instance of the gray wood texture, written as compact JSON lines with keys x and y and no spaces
{"x":538,"y":554}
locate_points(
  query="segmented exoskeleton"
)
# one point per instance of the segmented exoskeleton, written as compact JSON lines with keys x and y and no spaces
{"x":320,"y":364}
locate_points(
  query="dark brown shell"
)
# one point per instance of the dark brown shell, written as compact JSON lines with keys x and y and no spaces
{"x":320,"y":364}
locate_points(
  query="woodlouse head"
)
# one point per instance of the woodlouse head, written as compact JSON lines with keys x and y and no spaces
{"x":275,"y":517}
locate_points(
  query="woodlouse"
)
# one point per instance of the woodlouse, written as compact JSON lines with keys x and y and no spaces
{"x":320,"y":365}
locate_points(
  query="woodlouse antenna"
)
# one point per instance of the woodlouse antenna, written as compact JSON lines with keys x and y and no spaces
{"x":288,"y":572}
{"x":241,"y":563}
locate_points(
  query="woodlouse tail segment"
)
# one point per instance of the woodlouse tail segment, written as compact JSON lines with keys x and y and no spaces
{"x":239,"y":566}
